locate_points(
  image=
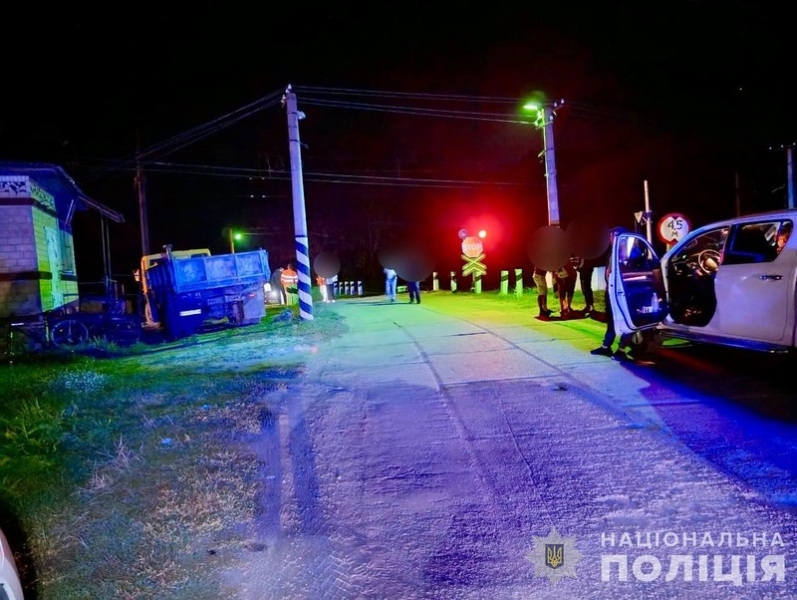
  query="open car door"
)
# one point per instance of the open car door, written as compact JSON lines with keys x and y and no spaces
{"x":636,"y":288}
{"x":10,"y":584}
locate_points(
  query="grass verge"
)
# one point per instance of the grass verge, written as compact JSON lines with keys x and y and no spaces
{"x":123,"y":470}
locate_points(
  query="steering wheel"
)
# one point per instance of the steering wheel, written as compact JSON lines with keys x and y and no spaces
{"x":709,"y":261}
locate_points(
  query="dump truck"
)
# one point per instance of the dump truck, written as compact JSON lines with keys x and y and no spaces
{"x":186,"y":292}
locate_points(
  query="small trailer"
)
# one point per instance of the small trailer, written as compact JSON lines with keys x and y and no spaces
{"x":111,"y":319}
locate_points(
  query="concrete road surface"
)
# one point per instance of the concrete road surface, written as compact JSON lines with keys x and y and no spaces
{"x":457,"y":449}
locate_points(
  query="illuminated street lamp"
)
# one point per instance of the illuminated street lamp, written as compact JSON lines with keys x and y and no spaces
{"x":545,"y":113}
{"x":234,"y":235}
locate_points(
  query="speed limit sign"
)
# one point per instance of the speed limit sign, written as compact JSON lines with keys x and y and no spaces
{"x":673,"y":228}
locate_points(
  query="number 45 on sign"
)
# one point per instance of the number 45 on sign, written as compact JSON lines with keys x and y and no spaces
{"x":673,"y":228}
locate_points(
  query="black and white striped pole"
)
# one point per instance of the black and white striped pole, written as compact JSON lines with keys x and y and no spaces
{"x":299,"y":214}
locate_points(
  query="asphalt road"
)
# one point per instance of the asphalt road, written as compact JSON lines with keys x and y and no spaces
{"x":451,"y":449}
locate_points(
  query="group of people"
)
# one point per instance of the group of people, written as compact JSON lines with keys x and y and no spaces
{"x":564,"y":280}
{"x":285,"y":281}
{"x":391,"y":284}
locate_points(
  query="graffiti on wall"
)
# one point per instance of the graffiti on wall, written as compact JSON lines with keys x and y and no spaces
{"x":14,"y":186}
{"x":22,"y":186}
{"x":38,"y":193}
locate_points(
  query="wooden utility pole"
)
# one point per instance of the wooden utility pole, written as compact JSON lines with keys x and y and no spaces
{"x":141,"y":188}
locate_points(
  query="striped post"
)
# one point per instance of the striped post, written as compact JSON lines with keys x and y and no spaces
{"x":504,"y":283}
{"x":305,"y":285}
{"x":453,"y":276}
{"x":518,"y":283}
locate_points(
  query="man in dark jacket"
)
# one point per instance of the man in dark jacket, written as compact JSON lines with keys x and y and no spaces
{"x":609,"y":337}
{"x":276,"y":284}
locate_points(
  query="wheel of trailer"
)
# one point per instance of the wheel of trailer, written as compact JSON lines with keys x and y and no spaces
{"x":69,"y":332}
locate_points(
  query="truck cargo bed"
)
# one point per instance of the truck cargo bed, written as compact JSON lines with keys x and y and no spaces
{"x":210,"y":272}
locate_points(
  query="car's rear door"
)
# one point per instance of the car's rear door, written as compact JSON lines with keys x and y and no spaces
{"x":755,"y":283}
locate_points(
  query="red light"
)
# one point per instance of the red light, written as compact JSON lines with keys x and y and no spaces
{"x":482,"y":234}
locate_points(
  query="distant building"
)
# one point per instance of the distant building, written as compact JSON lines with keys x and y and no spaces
{"x":37,"y":253}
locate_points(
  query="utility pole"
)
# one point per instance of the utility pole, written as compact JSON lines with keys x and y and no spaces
{"x":547,"y":115}
{"x":738,"y":194}
{"x":299,"y":214}
{"x":141,"y":188}
{"x":790,"y":173}
{"x":648,"y":215}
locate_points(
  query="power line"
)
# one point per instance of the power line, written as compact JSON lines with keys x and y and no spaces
{"x":320,"y":176}
{"x":408,"y":95}
{"x":315,"y":91}
{"x":430,"y":112}
{"x":190,"y":136}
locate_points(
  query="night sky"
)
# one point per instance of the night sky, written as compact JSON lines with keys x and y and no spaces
{"x":413,"y":125}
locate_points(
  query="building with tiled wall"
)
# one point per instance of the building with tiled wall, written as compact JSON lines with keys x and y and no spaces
{"x":37,"y":256}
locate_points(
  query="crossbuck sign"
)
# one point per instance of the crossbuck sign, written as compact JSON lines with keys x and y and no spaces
{"x":473,"y":255}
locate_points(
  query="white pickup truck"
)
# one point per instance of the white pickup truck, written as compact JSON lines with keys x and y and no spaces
{"x":731,"y":282}
{"x":10,"y":586}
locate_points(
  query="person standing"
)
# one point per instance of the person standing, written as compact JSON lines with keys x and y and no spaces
{"x":391,"y":279}
{"x":322,"y":285}
{"x":586,"y":268}
{"x":276,"y":285}
{"x":566,"y":283}
{"x":290,"y":282}
{"x":610,"y":336}
{"x":331,"y":281}
{"x":541,"y":282}
{"x":414,"y":288}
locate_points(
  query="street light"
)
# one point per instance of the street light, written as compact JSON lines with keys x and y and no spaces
{"x":545,"y":112}
{"x":234,"y":235}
